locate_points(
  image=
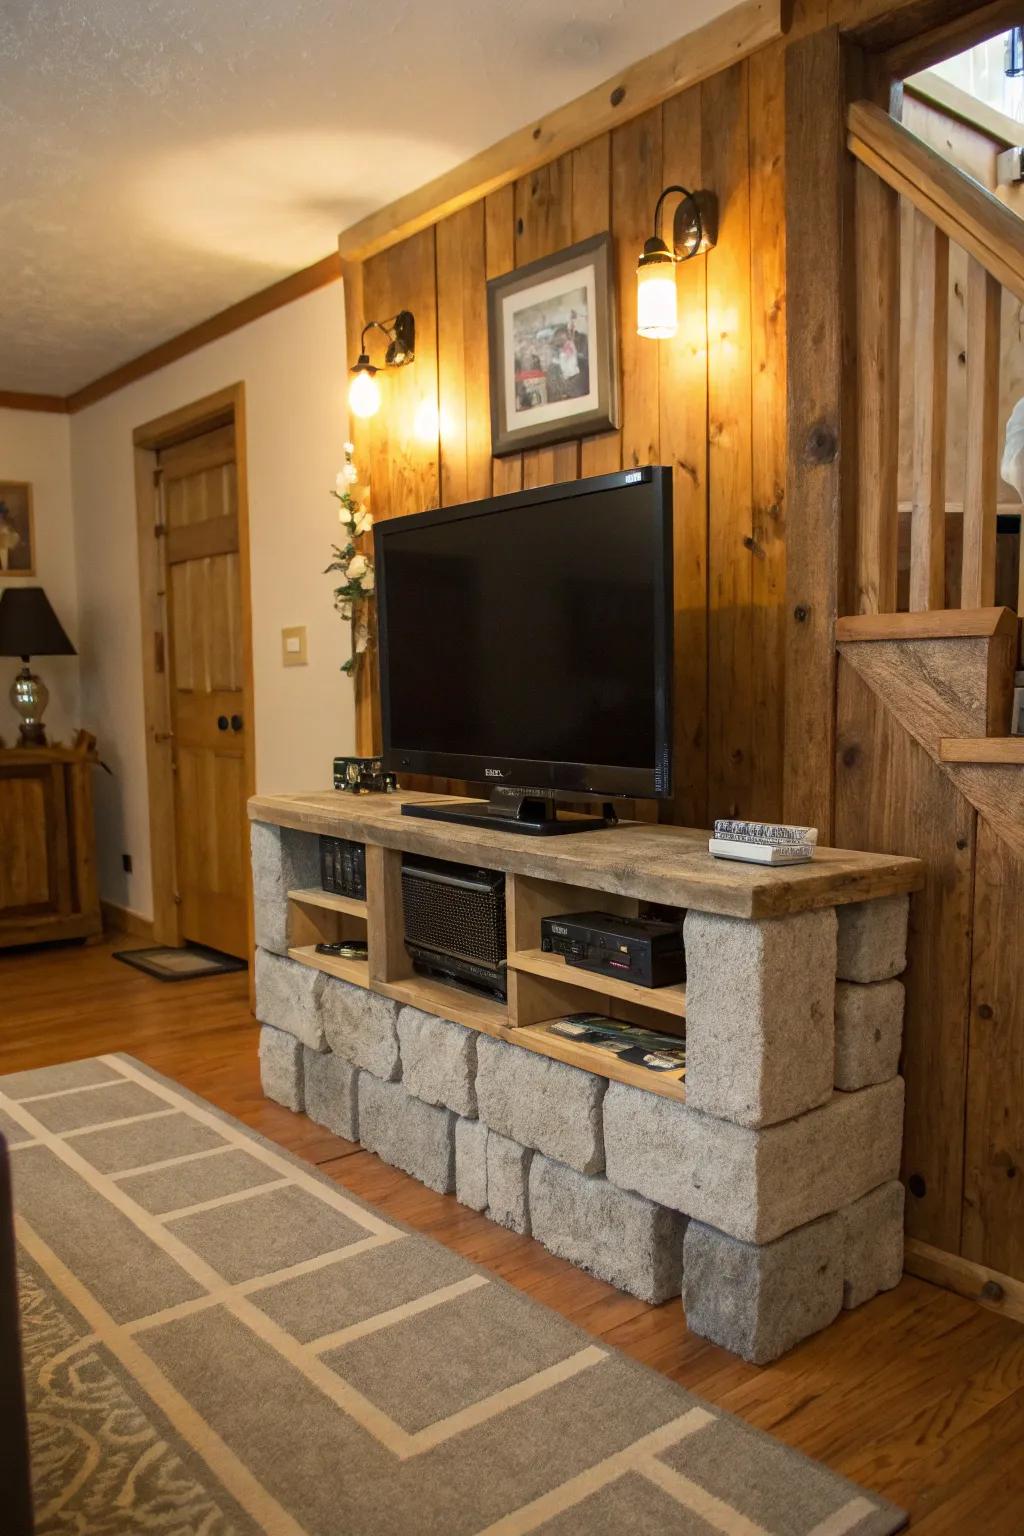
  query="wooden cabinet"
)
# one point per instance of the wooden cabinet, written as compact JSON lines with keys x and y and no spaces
{"x":47,"y":844}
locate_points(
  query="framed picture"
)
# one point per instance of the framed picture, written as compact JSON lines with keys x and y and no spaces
{"x":17,"y":534}
{"x":554,"y":348}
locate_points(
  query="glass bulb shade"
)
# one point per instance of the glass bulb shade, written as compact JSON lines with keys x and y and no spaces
{"x":363,"y":394}
{"x":656,"y":314}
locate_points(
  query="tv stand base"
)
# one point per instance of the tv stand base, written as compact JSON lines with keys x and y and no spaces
{"x":513,"y":810}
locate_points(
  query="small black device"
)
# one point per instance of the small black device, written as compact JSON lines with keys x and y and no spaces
{"x":526,"y":644}
{"x":455,"y":921}
{"x":344,"y":949}
{"x":363,"y":776}
{"x":343,"y":867}
{"x":642,"y":950}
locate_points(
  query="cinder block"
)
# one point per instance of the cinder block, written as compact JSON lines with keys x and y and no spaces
{"x":407,"y":1133}
{"x":508,"y":1174}
{"x":282,"y":861}
{"x":332,"y":1092}
{"x":541,"y":1103}
{"x":438,"y":1060}
{"x":753,"y":1184}
{"x":622,"y":1238}
{"x":360,"y":1026}
{"x":869,"y":1031}
{"x":760,"y":1014}
{"x":288,"y":997}
{"x":760,"y":1300}
{"x":873,"y":939}
{"x":471,"y":1163}
{"x":281,"y":1067}
{"x":872,"y":1243}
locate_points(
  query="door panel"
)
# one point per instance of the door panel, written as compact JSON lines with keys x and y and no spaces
{"x":198,"y":488}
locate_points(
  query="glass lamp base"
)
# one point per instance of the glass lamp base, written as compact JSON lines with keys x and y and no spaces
{"x":30,"y":696}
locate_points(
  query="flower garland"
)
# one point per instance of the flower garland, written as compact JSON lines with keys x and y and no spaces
{"x":352,"y":598}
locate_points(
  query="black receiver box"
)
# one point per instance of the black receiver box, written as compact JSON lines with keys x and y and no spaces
{"x":641,"y":950}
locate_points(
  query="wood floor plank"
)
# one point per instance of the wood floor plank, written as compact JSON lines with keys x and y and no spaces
{"x":919,"y":1395}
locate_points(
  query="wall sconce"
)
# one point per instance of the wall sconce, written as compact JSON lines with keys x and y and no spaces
{"x":694,"y":230}
{"x":364,"y":391}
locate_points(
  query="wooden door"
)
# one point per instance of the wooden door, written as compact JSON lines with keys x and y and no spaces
{"x":198,"y":498}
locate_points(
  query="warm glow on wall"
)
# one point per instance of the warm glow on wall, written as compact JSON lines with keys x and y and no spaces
{"x":693,"y":232}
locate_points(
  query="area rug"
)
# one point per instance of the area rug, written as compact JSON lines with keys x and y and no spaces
{"x":219,"y":1340}
{"x":167,"y":963}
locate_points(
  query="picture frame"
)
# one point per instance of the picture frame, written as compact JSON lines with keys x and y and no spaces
{"x":554,"y":348}
{"x":17,"y":530}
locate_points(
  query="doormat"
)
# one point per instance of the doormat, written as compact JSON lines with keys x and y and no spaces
{"x":218,"y":1338}
{"x":169,"y":964}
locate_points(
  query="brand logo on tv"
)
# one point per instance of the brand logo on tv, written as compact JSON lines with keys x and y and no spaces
{"x":494,"y":773}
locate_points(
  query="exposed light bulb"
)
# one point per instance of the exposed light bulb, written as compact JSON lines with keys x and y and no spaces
{"x":364,"y":393}
{"x":656,"y":314}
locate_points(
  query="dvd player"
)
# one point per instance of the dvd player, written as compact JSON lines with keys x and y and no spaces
{"x":642,"y":950}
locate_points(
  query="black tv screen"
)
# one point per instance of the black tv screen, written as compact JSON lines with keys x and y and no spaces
{"x":526,"y":640}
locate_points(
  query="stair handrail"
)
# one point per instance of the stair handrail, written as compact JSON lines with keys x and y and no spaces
{"x":960,"y":206}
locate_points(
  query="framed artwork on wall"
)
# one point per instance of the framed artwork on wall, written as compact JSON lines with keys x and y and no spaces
{"x":554,"y":353}
{"x":17,"y":533}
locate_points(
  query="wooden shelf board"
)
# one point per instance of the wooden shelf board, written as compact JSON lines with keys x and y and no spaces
{"x":981,"y":749}
{"x":485,"y":1014}
{"x":538,"y":1038}
{"x":554,"y":968}
{"x":328,"y":899}
{"x":357,"y":971}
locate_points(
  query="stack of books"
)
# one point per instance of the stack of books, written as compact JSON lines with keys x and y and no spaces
{"x":763,"y":842}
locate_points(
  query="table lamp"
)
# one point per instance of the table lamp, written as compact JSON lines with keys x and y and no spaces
{"x":29,"y":627}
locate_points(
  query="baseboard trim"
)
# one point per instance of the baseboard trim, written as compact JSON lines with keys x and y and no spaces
{"x":124,"y":920}
{"x":998,"y":1292}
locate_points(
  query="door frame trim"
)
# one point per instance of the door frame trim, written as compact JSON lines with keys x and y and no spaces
{"x":218,"y":409}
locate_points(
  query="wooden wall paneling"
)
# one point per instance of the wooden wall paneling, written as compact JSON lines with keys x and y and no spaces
{"x":890,"y":796}
{"x":683,"y":429}
{"x":731,"y":659}
{"x":636,"y":182}
{"x":981,"y":458}
{"x":766,"y":73}
{"x":600,"y":454}
{"x":500,"y":257}
{"x":543,"y":225}
{"x":930,"y":268}
{"x":462,"y":372}
{"x":877,"y":246}
{"x":815,"y":534}
{"x":993,"y":1212}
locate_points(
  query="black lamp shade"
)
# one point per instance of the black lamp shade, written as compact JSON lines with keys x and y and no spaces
{"x":29,"y":626}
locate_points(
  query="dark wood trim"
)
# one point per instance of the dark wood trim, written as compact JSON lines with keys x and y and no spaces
{"x":295,"y":286}
{"x":821,"y":406}
{"x":916,"y":36}
{"x":18,"y":400}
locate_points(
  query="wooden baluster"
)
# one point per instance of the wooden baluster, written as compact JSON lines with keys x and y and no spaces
{"x":981,"y":467}
{"x":878,"y":333}
{"x":928,"y":449}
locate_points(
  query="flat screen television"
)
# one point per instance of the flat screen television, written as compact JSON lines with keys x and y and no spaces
{"x":526,"y":642}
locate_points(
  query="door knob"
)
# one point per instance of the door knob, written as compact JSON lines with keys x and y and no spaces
{"x":222,"y":722}
{"x":236,"y":722}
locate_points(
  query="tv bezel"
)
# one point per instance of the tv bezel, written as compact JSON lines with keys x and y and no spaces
{"x":552,"y":778}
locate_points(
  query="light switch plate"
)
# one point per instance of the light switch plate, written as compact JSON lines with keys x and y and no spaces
{"x":293,"y":646}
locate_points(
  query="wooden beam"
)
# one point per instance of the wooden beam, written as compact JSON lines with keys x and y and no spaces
{"x":18,"y":400}
{"x":988,"y":1287}
{"x":968,"y":213}
{"x":940,"y":92}
{"x":635,"y":90}
{"x":915,"y":37}
{"x":982,"y":749}
{"x":930,"y":278}
{"x":878,"y":391}
{"x":945,"y":624}
{"x":295,"y":286}
{"x":981,"y":446}
{"x":819,"y":389}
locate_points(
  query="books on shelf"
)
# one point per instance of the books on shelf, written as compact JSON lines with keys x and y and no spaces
{"x":761,"y":853}
{"x":648,"y":1048}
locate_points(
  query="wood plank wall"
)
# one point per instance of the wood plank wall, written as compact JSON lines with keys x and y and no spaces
{"x":710,"y":403}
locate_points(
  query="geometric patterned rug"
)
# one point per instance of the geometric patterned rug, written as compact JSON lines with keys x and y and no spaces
{"x":220,"y":1341}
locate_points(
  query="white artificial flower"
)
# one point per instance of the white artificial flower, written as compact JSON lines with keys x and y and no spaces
{"x":351,"y":474}
{"x":356,"y":567}
{"x":344,"y":515}
{"x":349,"y":448}
{"x":367,"y":581}
{"x":341,"y":482}
{"x":363,"y":523}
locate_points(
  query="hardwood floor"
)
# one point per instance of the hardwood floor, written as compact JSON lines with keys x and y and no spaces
{"x":919,"y":1395}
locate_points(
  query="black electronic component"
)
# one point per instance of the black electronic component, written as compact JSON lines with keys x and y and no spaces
{"x":455,"y":918}
{"x":343,"y":867}
{"x":642,"y":950}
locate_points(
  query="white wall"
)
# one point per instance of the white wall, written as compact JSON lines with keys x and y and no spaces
{"x":36,"y":446}
{"x":293,"y":366}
